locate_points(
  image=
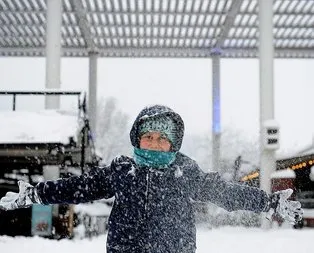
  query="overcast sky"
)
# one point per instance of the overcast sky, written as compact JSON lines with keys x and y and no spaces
{"x":184,"y":85}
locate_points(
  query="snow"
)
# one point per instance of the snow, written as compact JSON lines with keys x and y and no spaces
{"x":223,"y":240}
{"x":308,"y":213}
{"x":247,"y":168}
{"x":312,"y":173}
{"x":95,"y":209}
{"x":46,"y":126}
{"x":288,"y":173}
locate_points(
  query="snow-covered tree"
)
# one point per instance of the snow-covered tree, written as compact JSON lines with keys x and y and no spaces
{"x":112,"y":130}
{"x":198,"y":147}
{"x":234,"y":143}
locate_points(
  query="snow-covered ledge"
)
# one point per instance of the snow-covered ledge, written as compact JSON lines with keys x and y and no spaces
{"x":47,"y":126}
{"x":287,"y":173}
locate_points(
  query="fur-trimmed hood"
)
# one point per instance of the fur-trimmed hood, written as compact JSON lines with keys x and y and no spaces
{"x":156,"y":111}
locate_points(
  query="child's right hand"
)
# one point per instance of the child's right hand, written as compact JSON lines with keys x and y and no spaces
{"x":26,"y":197}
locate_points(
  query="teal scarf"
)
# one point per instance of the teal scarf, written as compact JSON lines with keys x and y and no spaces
{"x":152,"y":158}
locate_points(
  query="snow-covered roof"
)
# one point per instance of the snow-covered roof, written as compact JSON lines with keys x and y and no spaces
{"x":47,"y":126}
{"x":288,"y":173}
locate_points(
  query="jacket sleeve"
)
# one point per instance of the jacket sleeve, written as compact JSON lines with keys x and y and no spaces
{"x":77,"y":189}
{"x":230,"y":196}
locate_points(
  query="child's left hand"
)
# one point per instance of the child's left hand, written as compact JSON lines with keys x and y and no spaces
{"x":288,"y":210}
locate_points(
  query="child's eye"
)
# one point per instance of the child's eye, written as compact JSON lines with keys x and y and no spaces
{"x":148,"y":137}
{"x":163,"y":137}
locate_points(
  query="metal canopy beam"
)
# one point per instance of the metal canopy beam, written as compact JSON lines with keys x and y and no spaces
{"x":167,"y":27}
{"x":84,"y":25}
{"x":160,"y":52}
{"x":153,"y":12}
{"x":229,"y":22}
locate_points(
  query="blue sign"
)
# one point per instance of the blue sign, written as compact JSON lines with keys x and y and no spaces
{"x":41,"y":220}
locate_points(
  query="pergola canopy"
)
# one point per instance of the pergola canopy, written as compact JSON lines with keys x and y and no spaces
{"x":151,"y":28}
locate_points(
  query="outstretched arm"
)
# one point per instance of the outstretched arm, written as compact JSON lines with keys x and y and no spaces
{"x":73,"y":190}
{"x":77,"y":189}
{"x":232,"y":197}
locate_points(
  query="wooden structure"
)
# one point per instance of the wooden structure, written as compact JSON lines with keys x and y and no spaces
{"x":28,"y":156}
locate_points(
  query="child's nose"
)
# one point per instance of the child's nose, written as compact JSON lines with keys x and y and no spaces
{"x":155,"y":143}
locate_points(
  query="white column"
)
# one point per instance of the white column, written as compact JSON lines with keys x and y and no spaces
{"x":53,"y":63}
{"x":92,"y":91}
{"x":52,"y":172}
{"x":216,"y":125}
{"x":266,"y":54}
{"x":53,"y":51}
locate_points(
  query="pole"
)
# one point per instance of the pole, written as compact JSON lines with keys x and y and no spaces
{"x":14,"y":102}
{"x":53,"y":51}
{"x":53,"y":63}
{"x":216,"y":126}
{"x":92,"y":91}
{"x":266,"y":54}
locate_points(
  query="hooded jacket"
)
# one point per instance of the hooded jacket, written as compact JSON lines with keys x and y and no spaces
{"x":153,"y":208}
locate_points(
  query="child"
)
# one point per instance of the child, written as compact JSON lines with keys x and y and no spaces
{"x":153,"y":191}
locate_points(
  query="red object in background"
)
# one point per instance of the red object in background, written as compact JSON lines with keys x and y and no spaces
{"x":279,"y":184}
{"x":282,"y":180}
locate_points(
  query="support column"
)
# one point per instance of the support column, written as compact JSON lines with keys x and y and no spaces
{"x":266,"y":54}
{"x":92,"y":91}
{"x":52,"y":172}
{"x":53,"y":63}
{"x":53,"y":51}
{"x":216,"y":125}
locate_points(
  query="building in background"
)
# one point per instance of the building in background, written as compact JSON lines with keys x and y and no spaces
{"x":296,"y":172}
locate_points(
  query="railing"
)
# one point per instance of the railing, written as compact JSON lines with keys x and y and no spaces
{"x":85,"y":134}
{"x":42,"y":93}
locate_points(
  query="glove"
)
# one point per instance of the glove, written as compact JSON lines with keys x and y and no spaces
{"x":26,"y":197}
{"x":287,"y":210}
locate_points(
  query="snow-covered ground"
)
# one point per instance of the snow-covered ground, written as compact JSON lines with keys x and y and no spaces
{"x":223,"y":240}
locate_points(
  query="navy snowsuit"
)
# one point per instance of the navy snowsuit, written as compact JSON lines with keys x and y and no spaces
{"x":153,"y":209}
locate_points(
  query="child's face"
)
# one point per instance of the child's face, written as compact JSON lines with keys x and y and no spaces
{"x":155,"y":141}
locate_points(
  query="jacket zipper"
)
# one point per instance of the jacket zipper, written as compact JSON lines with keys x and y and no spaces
{"x":146,"y":193}
{"x":147,"y":249}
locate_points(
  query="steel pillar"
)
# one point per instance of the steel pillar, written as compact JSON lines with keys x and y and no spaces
{"x":92,"y":91}
{"x":266,"y":55}
{"x":53,"y":51}
{"x":216,"y":125}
